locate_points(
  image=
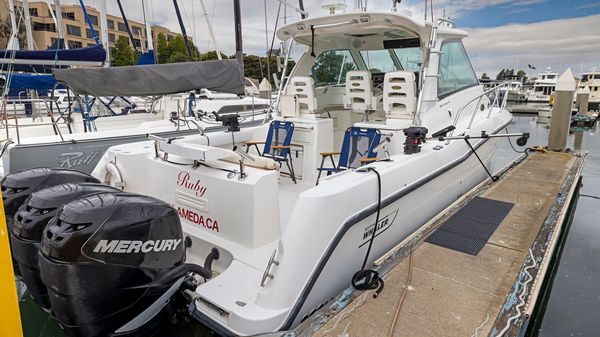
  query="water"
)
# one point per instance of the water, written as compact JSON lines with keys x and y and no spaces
{"x":574,"y":302}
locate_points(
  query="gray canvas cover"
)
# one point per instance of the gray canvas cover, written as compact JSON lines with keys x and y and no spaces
{"x":225,"y":76}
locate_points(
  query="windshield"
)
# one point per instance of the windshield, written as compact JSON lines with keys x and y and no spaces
{"x":385,"y":60}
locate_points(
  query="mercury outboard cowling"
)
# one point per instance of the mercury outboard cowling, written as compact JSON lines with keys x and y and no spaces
{"x":30,"y":221}
{"x":111,"y":261}
{"x":18,"y":186}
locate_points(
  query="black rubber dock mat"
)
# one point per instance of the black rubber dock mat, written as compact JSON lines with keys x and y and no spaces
{"x":469,"y":229}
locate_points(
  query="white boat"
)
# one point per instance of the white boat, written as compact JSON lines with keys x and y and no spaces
{"x":77,"y":139}
{"x":516,"y":93}
{"x":543,"y":87}
{"x":288,"y":246}
{"x":591,"y":80}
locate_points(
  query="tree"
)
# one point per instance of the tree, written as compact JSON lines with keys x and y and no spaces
{"x":521,"y":75}
{"x":485,"y":76}
{"x":161,"y":48}
{"x":123,"y":54}
{"x":6,"y":30}
{"x":331,"y":67}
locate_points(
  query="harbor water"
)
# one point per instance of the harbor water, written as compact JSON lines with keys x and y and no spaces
{"x":571,"y":307}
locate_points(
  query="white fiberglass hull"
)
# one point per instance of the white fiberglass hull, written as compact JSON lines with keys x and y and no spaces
{"x":324,"y":242}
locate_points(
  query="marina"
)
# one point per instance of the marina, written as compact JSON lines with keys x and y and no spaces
{"x":360,"y":178}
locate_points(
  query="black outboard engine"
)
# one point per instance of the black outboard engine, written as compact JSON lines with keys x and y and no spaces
{"x":111,"y":261}
{"x":30,"y":221}
{"x":415,"y":136}
{"x":18,"y":186}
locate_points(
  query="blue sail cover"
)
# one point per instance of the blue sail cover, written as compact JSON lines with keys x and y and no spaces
{"x":52,"y":58}
{"x":32,"y":81}
{"x":146,"y":58}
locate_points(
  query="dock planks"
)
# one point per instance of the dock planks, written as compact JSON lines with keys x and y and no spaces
{"x":456,"y":294}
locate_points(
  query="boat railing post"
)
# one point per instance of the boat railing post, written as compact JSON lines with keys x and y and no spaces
{"x":561,"y":114}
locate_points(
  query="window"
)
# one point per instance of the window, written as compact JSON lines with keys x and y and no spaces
{"x":89,"y":34}
{"x":111,"y":37}
{"x":410,"y":59}
{"x":94,"y":20}
{"x":110,"y":24}
{"x":73,"y":30}
{"x":137,"y":43}
{"x":68,"y":15}
{"x":136,"y":31}
{"x":74,"y":44}
{"x":551,"y":77}
{"x":455,"y":70}
{"x":47,"y":27}
{"x":122,"y":27}
{"x":33,"y":11}
{"x":91,"y":44}
{"x":331,"y":66}
{"x":378,"y":61}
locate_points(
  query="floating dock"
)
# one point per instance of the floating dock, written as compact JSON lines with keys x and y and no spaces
{"x":431,"y":290}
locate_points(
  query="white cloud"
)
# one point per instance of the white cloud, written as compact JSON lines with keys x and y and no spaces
{"x":557,"y":43}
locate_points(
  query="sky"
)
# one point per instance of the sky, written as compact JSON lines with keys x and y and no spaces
{"x":503,"y":33}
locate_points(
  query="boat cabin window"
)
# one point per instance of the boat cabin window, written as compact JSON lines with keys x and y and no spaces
{"x":378,"y":61}
{"x":410,"y":59}
{"x":331,"y":66}
{"x":386,"y":60}
{"x":455,"y":70}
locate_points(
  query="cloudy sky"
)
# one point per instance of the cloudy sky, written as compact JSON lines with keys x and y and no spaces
{"x":504,"y":33}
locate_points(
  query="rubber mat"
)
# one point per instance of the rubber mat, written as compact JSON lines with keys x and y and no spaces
{"x":469,"y":229}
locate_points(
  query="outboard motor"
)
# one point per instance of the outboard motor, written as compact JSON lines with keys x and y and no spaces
{"x":18,"y":186}
{"x":111,"y":261}
{"x":30,"y":221}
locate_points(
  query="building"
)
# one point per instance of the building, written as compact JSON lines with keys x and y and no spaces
{"x":76,"y":31}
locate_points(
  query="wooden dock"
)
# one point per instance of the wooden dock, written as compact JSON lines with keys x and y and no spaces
{"x":434,"y":291}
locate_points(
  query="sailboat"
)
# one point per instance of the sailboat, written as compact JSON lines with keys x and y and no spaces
{"x":73,"y":116}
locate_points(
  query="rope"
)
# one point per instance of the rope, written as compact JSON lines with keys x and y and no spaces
{"x":369,"y":279}
{"x":403,"y":296}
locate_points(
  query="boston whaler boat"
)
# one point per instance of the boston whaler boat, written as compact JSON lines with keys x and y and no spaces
{"x":416,"y":130}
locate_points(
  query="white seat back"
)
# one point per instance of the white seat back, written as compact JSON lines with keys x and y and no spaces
{"x":359,"y":91}
{"x":303,"y":87}
{"x":399,"y":95}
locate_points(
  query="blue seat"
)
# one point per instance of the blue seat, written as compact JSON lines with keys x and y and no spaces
{"x":277,"y":145}
{"x":357,"y":150}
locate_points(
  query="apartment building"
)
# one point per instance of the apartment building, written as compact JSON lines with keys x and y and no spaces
{"x":76,"y":29}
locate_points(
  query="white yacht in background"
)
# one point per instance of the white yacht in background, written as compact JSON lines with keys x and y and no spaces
{"x":543,"y":87}
{"x":516,"y":93}
{"x":591,"y":79}
{"x":380,"y":90}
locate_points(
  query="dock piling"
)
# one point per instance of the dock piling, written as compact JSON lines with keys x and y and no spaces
{"x":582,"y":101}
{"x":561,"y":115}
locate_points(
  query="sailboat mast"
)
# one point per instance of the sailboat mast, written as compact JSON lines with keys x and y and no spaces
{"x":104,"y":30}
{"x":126,"y":24}
{"x":59,"y":24}
{"x":210,"y":30}
{"x":183,"y":32}
{"x":28,"y":31}
{"x":13,"y":42}
{"x":149,"y":36}
{"x":237,"y":16}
